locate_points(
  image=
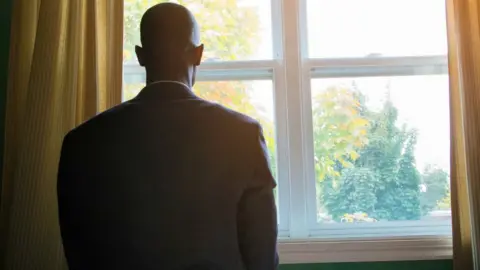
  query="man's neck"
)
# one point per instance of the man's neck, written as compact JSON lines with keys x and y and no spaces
{"x":157,"y":78}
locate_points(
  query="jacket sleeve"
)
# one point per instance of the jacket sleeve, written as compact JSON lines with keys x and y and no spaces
{"x":70,"y":214}
{"x":257,"y":214}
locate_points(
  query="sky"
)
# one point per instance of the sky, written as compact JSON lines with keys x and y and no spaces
{"x":356,"y":28}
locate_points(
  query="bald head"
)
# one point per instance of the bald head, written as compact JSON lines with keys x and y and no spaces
{"x":169,"y":24}
{"x":170,"y":39}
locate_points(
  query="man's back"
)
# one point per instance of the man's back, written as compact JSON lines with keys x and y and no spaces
{"x":164,"y":181}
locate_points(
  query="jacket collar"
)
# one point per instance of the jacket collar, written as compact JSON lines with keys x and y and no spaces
{"x":166,"y":91}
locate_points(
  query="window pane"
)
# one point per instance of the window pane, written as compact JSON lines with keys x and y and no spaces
{"x":382,"y":149}
{"x":361,"y":28}
{"x":230,"y":30}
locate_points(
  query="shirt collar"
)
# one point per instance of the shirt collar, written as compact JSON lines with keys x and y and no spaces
{"x":166,"y":81}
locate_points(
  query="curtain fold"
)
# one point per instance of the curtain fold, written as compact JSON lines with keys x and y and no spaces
{"x":65,"y":67}
{"x":464,"y":67}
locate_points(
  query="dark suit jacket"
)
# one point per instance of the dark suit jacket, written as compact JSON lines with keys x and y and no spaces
{"x":165,"y":181}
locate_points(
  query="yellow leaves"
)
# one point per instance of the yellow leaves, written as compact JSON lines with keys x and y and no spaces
{"x":344,"y":163}
{"x":354,"y":155}
{"x":347,"y":218}
{"x":321,"y":175}
{"x":126,"y":55}
{"x":340,"y":131}
{"x":360,"y":122}
{"x":357,"y":217}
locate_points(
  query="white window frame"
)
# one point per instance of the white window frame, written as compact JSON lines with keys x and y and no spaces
{"x":301,"y":239}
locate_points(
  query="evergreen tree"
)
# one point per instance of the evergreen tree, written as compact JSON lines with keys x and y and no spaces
{"x":407,"y":190}
{"x":353,"y":192}
{"x":383,"y":181}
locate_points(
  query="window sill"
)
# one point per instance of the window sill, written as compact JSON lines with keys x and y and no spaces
{"x":364,"y":250}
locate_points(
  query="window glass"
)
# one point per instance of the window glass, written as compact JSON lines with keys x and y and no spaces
{"x":382,"y":148}
{"x":373,"y":28}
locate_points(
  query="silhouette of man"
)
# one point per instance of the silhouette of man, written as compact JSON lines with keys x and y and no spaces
{"x":167,"y":180}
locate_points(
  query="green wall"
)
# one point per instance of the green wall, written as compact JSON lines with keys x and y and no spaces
{"x":5,"y":14}
{"x":413,"y":265}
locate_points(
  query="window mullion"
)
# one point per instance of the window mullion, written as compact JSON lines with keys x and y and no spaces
{"x":298,"y":210}
{"x":367,"y":67}
{"x":378,"y":61}
{"x":307,"y":134}
{"x":236,"y":65}
{"x":345,"y":72}
{"x":309,"y":150}
{"x":233,"y":75}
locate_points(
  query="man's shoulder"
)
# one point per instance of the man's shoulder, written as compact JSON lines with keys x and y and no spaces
{"x":100,"y":120}
{"x":232,"y":115}
{"x":218,"y":114}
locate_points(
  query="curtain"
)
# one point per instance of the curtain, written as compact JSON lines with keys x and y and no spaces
{"x":65,"y":67}
{"x":464,"y":67}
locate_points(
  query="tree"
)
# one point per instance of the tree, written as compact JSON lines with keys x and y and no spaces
{"x":354,"y":192}
{"x":445,"y":203}
{"x":381,"y":155}
{"x":407,"y":187}
{"x":339,"y":130}
{"x":381,"y":180}
{"x":229,"y":31}
{"x":436,"y":194}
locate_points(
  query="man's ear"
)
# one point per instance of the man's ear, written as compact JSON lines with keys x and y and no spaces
{"x":140,"y":55}
{"x":198,"y":53}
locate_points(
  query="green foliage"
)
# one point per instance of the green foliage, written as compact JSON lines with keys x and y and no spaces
{"x":352,"y":192}
{"x":436,"y":195}
{"x":382,"y":180}
{"x":339,"y":130}
{"x":407,"y":185}
{"x":446,"y":202}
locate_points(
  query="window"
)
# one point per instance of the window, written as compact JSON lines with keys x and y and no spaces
{"x":353,"y":98}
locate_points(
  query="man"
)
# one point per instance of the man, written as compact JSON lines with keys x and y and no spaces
{"x":167,"y":180}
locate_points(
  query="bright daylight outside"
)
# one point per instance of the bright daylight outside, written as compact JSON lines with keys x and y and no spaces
{"x":381,"y":151}
{"x":380,"y":142}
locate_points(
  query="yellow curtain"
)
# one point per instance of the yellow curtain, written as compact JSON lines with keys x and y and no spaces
{"x":65,"y":67}
{"x":464,"y":65}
